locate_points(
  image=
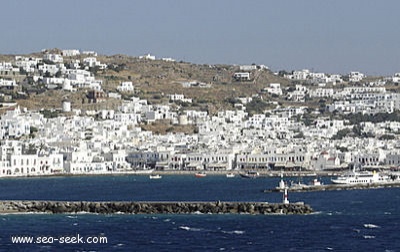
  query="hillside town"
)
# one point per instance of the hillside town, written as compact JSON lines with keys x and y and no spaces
{"x":356,"y":122}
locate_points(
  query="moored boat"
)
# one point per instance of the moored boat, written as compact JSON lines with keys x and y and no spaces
{"x":200,"y":174}
{"x":315,"y":182}
{"x":250,"y":174}
{"x":297,"y":185}
{"x":361,"y":177}
{"x":230,"y":175}
{"x":141,"y":172}
{"x":155,"y":176}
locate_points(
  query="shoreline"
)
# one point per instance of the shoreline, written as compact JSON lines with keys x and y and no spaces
{"x":263,"y":173}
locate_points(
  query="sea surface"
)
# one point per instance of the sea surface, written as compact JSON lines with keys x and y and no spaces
{"x":355,"y":220}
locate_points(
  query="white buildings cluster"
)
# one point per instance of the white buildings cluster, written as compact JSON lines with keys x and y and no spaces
{"x":51,"y":71}
{"x":108,"y":141}
{"x":231,"y":139}
{"x":126,"y":86}
{"x":179,"y":97}
{"x":152,"y":57}
{"x":305,"y":74}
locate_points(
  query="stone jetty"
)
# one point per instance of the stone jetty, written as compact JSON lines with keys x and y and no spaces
{"x":60,"y":207}
{"x":336,"y":187}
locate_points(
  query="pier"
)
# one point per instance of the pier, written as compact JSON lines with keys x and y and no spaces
{"x":335,"y":187}
{"x":124,"y":207}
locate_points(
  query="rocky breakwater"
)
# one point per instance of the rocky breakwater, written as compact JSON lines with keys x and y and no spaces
{"x":153,"y":207}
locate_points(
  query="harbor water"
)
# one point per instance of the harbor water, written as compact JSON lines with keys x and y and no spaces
{"x":357,"y":220}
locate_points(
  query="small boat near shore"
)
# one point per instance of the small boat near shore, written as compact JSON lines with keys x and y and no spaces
{"x":140,"y":172}
{"x":230,"y":175}
{"x":315,"y":182}
{"x":200,"y":174}
{"x":155,"y":176}
{"x":250,"y":174}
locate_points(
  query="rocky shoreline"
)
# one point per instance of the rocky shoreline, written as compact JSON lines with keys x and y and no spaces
{"x":123,"y":207}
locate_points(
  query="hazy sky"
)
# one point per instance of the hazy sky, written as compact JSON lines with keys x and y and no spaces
{"x":332,"y":36}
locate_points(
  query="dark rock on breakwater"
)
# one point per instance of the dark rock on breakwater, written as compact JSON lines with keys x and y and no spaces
{"x":58,"y":207}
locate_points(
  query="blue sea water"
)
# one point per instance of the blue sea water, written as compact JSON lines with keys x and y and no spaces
{"x":356,"y":220}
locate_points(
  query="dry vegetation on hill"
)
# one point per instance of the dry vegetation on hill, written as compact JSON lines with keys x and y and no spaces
{"x":154,"y":80}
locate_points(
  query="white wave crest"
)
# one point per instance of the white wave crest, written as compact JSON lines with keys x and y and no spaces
{"x":237,"y":232}
{"x":189,"y":228}
{"x":371,"y":226}
{"x":369,"y":236}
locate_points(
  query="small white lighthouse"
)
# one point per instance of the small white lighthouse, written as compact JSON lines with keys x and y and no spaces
{"x":285,"y":197}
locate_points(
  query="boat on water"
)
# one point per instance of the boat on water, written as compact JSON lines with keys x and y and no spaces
{"x":136,"y":172}
{"x":315,"y":182}
{"x":230,"y":175}
{"x":361,"y":177}
{"x":155,"y":176}
{"x":348,"y":181}
{"x":297,"y":185}
{"x":250,"y":174}
{"x":200,"y":174}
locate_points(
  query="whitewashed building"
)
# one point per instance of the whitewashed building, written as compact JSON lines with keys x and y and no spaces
{"x":56,"y":58}
{"x":241,"y":76}
{"x":126,"y":86}
{"x":70,"y":52}
{"x":275,"y":88}
{"x":179,"y":97}
{"x":356,"y":76}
